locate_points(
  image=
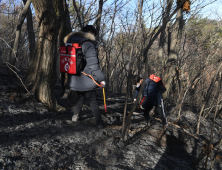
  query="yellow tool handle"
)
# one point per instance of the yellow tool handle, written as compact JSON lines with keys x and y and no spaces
{"x":104,"y":97}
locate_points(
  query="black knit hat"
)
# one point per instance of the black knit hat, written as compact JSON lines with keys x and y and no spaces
{"x":90,"y":28}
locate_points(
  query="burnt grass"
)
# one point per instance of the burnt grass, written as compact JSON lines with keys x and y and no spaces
{"x":33,"y":136}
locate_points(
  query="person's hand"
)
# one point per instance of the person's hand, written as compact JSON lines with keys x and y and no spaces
{"x":102,"y":83}
{"x":141,"y":107}
{"x":134,"y":100}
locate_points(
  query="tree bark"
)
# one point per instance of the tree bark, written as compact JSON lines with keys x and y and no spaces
{"x":171,"y":63}
{"x":46,"y":51}
{"x":98,"y":20}
{"x":162,"y":41}
{"x":64,"y":21}
{"x":64,"y":29}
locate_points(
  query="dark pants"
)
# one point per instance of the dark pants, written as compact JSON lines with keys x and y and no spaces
{"x":159,"y":110}
{"x":91,"y":97}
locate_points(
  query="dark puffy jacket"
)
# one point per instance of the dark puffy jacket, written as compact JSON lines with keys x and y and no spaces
{"x":83,"y":82}
{"x":151,"y":94}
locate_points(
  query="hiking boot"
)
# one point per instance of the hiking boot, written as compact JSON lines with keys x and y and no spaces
{"x":75,"y":118}
{"x":66,"y":94}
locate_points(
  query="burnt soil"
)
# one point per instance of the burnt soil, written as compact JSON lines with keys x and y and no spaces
{"x":32,"y":136}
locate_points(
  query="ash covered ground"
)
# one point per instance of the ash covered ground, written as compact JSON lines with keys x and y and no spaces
{"x":34,"y":137}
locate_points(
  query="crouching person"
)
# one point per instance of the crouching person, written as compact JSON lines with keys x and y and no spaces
{"x":152,"y":96}
{"x":83,"y":84}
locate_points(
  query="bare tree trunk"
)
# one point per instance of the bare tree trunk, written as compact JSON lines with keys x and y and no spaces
{"x":64,"y":29}
{"x":31,"y":34}
{"x":64,"y":21}
{"x":18,"y":33}
{"x":34,"y":64}
{"x":178,"y":71}
{"x":173,"y":55}
{"x":46,"y":51}
{"x":162,"y":42}
{"x":98,"y":20}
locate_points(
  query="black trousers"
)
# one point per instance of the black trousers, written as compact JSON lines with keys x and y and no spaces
{"x":91,"y":97}
{"x":159,"y":110}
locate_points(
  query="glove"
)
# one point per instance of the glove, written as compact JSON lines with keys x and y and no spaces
{"x":141,"y":107}
{"x":102,"y":83}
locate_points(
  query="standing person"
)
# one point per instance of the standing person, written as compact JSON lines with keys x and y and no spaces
{"x":82,"y":84}
{"x":152,"y":97}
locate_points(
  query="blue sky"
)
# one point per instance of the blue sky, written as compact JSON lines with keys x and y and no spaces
{"x":213,"y":11}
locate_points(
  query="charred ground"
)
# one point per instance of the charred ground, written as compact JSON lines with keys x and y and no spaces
{"x":32,"y":136}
